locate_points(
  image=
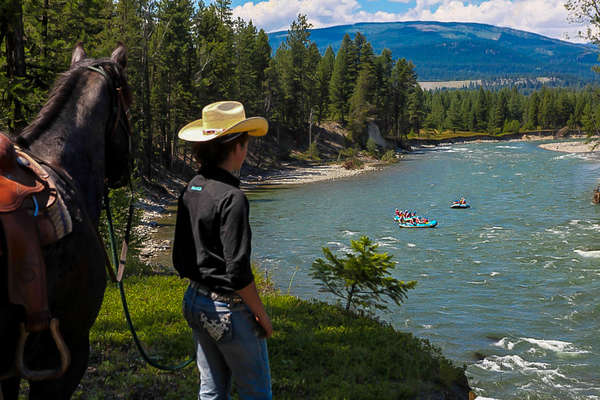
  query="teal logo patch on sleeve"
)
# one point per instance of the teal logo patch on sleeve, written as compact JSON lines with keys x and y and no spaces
{"x":196,"y":188}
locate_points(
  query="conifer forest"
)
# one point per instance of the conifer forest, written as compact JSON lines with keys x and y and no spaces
{"x":185,"y":54}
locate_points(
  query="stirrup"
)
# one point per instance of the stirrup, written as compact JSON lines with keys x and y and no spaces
{"x":65,"y":356}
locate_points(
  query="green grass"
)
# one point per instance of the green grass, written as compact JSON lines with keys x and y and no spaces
{"x":318,"y":350}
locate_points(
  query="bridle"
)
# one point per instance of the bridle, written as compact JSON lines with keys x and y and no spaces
{"x":122,"y":116}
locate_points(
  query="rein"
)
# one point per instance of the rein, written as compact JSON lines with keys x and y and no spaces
{"x":117,"y":267}
{"x":119,"y":274}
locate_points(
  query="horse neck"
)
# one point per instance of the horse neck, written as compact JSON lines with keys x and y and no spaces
{"x":75,"y":141}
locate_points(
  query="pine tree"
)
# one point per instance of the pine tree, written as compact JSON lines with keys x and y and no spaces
{"x":172,"y":95}
{"x":564,"y":108}
{"x":340,"y":88}
{"x":295,"y":75}
{"x":362,"y":108}
{"x":515,"y":106}
{"x":481,"y":110}
{"x":273,"y":93}
{"x":323,"y":77}
{"x":261,"y":60}
{"x":547,"y":110}
{"x":437,"y":116}
{"x":311,"y":83}
{"x":453,"y":118}
{"x":416,"y":114}
{"x":532,"y":110}
{"x":223,"y":8}
{"x":403,"y":80}
{"x":500,"y":111}
{"x":11,"y":26}
{"x":383,"y":101}
{"x":245,"y":89}
{"x":467,"y":116}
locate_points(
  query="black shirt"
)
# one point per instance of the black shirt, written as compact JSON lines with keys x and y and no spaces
{"x":212,"y":233}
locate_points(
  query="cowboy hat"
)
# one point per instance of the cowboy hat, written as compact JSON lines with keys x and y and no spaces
{"x":222,"y":118}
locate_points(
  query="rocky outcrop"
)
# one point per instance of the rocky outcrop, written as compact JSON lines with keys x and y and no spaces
{"x":375,"y":135}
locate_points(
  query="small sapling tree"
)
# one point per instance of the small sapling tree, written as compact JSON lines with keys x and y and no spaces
{"x":361,"y":279}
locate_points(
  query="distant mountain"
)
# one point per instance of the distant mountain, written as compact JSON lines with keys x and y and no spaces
{"x":459,"y":51}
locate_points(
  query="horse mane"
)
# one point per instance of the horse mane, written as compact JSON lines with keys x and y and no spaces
{"x":61,"y":92}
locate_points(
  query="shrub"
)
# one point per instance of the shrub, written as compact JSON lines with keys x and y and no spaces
{"x":362,"y":278}
{"x":389,"y":157}
{"x":372,"y":148}
{"x":353,"y":163}
{"x":348,"y":152}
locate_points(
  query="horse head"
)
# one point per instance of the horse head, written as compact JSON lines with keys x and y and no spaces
{"x":118,"y":134}
{"x":84,"y":126}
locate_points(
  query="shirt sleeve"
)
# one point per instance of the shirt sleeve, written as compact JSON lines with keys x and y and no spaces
{"x":183,"y":243}
{"x":236,"y":238}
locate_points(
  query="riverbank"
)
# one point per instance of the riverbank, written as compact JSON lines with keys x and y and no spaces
{"x":291,"y":174}
{"x":157,"y":199}
{"x":318,"y":351}
{"x":571,"y":147}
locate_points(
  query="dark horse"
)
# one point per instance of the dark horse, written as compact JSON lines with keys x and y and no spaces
{"x":82,"y":135}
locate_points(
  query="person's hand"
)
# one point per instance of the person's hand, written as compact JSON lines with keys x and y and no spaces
{"x":265,"y":322}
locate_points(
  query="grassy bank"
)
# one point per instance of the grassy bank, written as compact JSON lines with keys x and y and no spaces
{"x":429,"y":135}
{"x":318,"y":351}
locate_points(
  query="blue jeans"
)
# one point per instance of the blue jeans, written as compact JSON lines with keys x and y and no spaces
{"x":238,"y":352}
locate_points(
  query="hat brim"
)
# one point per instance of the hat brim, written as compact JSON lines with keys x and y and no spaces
{"x":194,"y":131}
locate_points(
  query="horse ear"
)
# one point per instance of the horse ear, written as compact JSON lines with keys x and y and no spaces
{"x":119,"y":55}
{"x":78,"y":54}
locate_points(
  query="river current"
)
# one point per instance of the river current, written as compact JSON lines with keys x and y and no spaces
{"x":508,"y":287}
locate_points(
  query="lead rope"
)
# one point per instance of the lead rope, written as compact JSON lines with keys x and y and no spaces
{"x":121,"y":265}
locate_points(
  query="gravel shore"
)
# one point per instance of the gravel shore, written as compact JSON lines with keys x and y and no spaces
{"x":571,"y":147}
{"x":292,"y":175}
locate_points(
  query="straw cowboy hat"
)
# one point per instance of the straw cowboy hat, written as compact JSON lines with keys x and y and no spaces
{"x":222,"y":118}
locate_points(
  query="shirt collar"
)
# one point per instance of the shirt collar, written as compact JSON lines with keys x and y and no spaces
{"x":220,"y":174}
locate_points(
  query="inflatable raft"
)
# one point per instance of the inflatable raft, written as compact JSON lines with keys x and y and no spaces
{"x":458,"y":205}
{"x":429,"y":224}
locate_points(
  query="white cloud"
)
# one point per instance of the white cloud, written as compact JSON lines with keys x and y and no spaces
{"x":546,"y":17}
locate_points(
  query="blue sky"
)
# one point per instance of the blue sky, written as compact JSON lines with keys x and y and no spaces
{"x":546,"y":17}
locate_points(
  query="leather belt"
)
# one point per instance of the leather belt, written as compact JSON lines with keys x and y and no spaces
{"x":224,"y":298}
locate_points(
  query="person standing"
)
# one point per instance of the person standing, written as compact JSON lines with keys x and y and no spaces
{"x":212,"y":248}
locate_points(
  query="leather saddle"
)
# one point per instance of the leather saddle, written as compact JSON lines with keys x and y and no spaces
{"x":26,"y":193}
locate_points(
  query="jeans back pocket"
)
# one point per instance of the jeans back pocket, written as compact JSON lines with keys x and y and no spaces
{"x":211,"y":318}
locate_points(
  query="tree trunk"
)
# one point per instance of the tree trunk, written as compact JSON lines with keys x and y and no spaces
{"x":350,"y":295}
{"x":45,"y":30}
{"x":147,"y":113}
{"x":15,"y":61}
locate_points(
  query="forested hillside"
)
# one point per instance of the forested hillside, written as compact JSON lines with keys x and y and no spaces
{"x":508,"y":110}
{"x":184,"y":55}
{"x":443,"y":51}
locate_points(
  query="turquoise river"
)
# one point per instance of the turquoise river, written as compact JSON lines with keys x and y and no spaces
{"x":508,"y":287}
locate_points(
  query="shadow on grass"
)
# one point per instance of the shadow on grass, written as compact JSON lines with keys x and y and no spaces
{"x":319,"y":351}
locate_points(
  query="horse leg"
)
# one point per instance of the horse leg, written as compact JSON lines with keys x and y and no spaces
{"x":63,"y":388}
{"x":10,"y":317}
{"x":10,"y":388}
